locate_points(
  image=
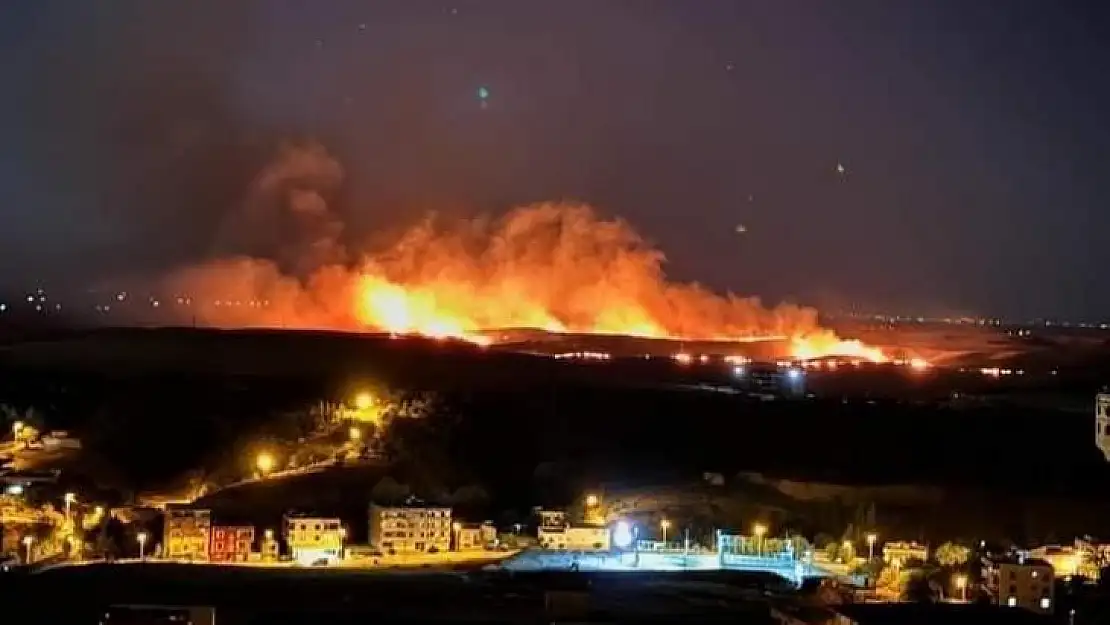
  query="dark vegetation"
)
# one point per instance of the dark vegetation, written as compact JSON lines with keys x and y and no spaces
{"x":157,"y":408}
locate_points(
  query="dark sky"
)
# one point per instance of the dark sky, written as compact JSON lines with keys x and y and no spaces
{"x":973,"y":133}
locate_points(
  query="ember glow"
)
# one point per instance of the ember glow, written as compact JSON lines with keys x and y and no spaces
{"x":557,"y":267}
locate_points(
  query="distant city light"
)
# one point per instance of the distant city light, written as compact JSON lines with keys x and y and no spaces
{"x":794,"y":374}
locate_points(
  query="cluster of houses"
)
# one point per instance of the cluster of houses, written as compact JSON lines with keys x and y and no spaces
{"x":189,"y":534}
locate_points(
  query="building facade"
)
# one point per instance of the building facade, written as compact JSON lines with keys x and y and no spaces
{"x":1021,"y":583}
{"x":187,"y":533}
{"x":1102,"y":424}
{"x":472,"y":536}
{"x":897,"y":554}
{"x":410,"y":529}
{"x":313,"y":540}
{"x":552,"y":518}
{"x":231,"y":543}
{"x":575,"y":538}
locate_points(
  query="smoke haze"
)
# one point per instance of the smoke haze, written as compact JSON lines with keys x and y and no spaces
{"x":557,"y":266}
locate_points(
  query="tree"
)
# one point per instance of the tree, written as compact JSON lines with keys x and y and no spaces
{"x":951,"y":555}
{"x":919,"y":589}
{"x":470,"y":496}
{"x":389,"y":491}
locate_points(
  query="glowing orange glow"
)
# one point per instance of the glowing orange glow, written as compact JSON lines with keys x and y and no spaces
{"x":554,"y":266}
{"x":826,"y":343}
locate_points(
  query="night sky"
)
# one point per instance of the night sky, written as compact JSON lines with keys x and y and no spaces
{"x":973,"y":134}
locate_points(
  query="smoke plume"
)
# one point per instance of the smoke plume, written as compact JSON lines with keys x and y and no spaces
{"x":558,"y":266}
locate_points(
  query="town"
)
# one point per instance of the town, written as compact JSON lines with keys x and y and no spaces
{"x":820,"y":576}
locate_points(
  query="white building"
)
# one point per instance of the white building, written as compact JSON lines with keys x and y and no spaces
{"x":574,"y":538}
{"x":407,"y":529}
{"x":1102,"y":423}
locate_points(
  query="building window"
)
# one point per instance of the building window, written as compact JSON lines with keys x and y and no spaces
{"x":1011,"y":601}
{"x":1045,"y":603}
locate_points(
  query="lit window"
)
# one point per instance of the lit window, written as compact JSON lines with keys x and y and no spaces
{"x":1011,"y":601}
{"x":1045,"y":602}
{"x":1035,"y":574}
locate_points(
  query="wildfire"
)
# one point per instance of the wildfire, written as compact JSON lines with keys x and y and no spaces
{"x":828,"y":344}
{"x":555,"y":267}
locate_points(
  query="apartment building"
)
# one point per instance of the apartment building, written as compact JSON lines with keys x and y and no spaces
{"x":1020,"y":582}
{"x":313,"y":540}
{"x":575,"y":538}
{"x":187,"y":533}
{"x":231,"y":543}
{"x":472,"y":536}
{"x":407,"y":529}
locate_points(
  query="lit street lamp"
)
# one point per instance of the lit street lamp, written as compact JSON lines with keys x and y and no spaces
{"x":871,"y":538}
{"x":27,"y":541}
{"x":759,"y":530}
{"x":264,"y":462}
{"x":69,"y":499}
{"x":664,"y":525}
{"x":141,"y":537}
{"x":364,"y":400}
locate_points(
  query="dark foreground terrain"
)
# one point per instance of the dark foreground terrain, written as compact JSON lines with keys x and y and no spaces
{"x":248,"y":595}
{"x":153,"y":406}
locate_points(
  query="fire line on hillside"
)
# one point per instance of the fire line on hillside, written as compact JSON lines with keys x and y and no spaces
{"x":554,"y":267}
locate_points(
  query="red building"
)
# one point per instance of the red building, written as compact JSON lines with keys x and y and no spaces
{"x":231,"y":544}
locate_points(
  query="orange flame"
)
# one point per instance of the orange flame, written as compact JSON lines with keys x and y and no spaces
{"x":556,"y":267}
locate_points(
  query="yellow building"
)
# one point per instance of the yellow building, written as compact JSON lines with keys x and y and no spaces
{"x":187,"y":533}
{"x":1021,"y":583}
{"x":896,"y":554}
{"x":472,"y":536}
{"x":407,"y":529}
{"x":313,"y":540}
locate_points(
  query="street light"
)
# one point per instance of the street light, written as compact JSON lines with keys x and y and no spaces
{"x":141,"y":537}
{"x":69,"y":499}
{"x":871,"y":538}
{"x":961,"y":584}
{"x":364,"y":400}
{"x":759,"y":530}
{"x":27,"y":540}
{"x":265,"y":462}
{"x":664,"y":525}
